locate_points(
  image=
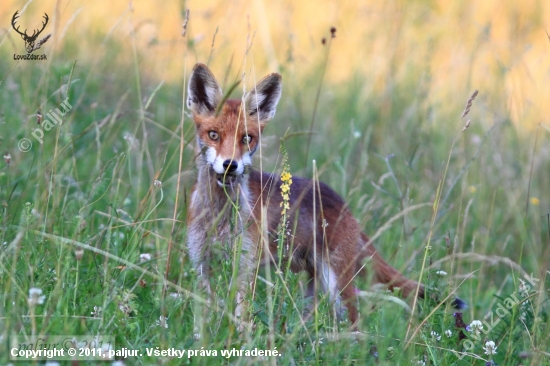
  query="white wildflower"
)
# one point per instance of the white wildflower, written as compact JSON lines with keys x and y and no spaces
{"x":490,"y":348}
{"x":78,"y":254}
{"x":35,"y":296}
{"x":144,"y":257}
{"x":124,"y":308}
{"x":53,"y":273}
{"x":476,"y":327}
{"x":162,"y":322}
{"x":97,"y":311}
{"x":441,"y":273}
{"x":448,"y":333}
{"x":435,"y":335}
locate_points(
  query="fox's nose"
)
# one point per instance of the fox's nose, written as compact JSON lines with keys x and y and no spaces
{"x":230,"y":166}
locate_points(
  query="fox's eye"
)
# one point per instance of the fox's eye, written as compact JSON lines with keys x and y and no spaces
{"x":247,"y":139}
{"x":213,"y":135}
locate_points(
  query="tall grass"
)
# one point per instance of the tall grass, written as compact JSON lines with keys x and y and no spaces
{"x":111,"y":184}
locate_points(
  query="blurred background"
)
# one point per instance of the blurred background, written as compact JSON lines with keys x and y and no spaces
{"x":498,"y":47}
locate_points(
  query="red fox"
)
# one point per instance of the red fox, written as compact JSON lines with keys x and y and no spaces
{"x":327,"y":242}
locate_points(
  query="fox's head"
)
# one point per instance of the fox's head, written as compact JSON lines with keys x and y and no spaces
{"x":228,"y":134}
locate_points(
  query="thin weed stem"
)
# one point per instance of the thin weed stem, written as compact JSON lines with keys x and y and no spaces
{"x":531,"y":170}
{"x":317,"y":96}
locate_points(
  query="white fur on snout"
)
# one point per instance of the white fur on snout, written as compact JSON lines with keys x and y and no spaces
{"x":247,"y":159}
{"x":219,"y":169}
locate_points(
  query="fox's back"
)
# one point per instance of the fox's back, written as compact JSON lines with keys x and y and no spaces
{"x":317,"y":214}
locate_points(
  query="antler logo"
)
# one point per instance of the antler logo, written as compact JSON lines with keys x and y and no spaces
{"x":30,"y":40}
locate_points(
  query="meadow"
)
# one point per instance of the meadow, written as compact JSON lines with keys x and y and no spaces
{"x":430,"y":120}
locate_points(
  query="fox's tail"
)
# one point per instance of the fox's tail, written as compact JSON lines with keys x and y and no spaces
{"x":386,"y":274}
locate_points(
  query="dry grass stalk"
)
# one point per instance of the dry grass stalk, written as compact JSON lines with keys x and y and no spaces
{"x":469,"y":104}
{"x":184,"y":32}
{"x":41,"y":42}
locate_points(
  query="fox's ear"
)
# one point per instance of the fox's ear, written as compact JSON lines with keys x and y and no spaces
{"x":261,"y":101}
{"x":203,"y":92}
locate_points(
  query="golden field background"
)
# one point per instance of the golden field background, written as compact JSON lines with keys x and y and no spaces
{"x":498,"y":47}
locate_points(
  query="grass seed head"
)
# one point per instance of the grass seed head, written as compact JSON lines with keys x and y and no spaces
{"x":469,"y":104}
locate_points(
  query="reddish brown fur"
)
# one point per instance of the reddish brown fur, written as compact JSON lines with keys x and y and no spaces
{"x":226,"y":124}
{"x":342,"y":238}
{"x":341,"y":243}
{"x":340,"y":246}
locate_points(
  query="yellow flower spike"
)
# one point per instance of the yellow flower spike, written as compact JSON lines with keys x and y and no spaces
{"x":286,"y":181}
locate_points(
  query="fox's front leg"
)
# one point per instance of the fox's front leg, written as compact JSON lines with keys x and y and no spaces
{"x":197,"y":244}
{"x":243,"y":318}
{"x":240,"y":311}
{"x":245,"y":283}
